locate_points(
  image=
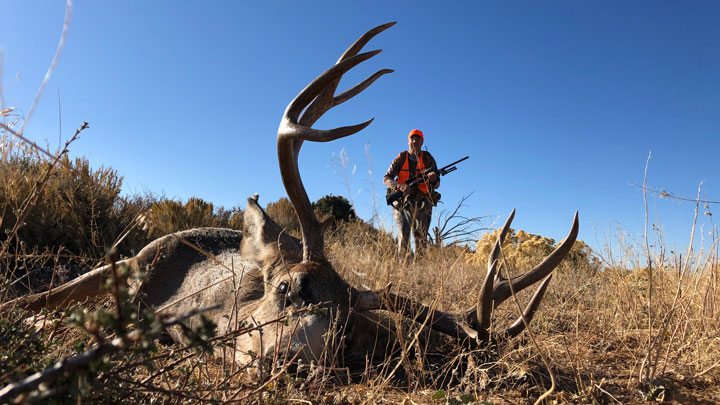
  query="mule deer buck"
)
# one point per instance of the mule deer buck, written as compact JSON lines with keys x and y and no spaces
{"x":262,"y":273}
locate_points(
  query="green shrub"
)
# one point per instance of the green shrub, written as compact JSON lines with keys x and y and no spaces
{"x":336,"y":206}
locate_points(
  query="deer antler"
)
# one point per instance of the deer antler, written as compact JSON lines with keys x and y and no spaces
{"x":294,"y":129}
{"x":475,"y":323}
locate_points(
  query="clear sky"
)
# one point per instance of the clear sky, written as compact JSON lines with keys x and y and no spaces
{"x":557,"y":103}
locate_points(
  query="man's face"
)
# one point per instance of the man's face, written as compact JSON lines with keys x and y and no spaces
{"x":415,"y":142}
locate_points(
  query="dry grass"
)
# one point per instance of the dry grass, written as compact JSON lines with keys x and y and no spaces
{"x":624,"y":333}
{"x":594,"y":327}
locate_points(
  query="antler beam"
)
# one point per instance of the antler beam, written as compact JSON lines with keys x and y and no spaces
{"x":316,"y":99}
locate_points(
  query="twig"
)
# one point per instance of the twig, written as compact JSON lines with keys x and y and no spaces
{"x":139,"y":217}
{"x":342,"y":160}
{"x":52,"y":279}
{"x":707,"y":370}
{"x":665,"y":194}
{"x":115,"y":291}
{"x":178,"y":393}
{"x":61,"y":367}
{"x":461,"y":230}
{"x":3,"y":111}
{"x":607,"y":393}
{"x":270,"y":380}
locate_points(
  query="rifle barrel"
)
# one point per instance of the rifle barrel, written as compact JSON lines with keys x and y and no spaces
{"x":454,"y":163}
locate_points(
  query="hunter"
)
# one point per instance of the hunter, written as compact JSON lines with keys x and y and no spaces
{"x":414,"y":210}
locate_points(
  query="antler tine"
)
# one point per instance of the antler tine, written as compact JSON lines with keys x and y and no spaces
{"x":358,"y":88}
{"x":484,"y":306}
{"x":519,"y":326}
{"x":326,"y":99}
{"x":318,"y":85}
{"x":480,"y":318}
{"x":497,"y":248}
{"x":502,"y":288}
{"x":295,"y":129}
{"x":363,"y":40}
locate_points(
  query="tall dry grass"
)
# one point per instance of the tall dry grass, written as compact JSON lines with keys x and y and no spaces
{"x":618,"y":330}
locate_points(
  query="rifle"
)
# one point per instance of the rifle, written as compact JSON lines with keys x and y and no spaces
{"x":420,"y":178}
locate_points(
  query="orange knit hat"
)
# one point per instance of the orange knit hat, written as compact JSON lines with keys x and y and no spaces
{"x":416,"y":132}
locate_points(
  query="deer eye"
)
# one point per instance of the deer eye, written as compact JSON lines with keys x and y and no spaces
{"x":283,"y":288}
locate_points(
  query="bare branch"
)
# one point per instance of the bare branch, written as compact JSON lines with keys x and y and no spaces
{"x":666,"y":194}
{"x":453,"y":226}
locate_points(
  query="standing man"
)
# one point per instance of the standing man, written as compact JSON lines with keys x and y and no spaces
{"x":414,"y":210}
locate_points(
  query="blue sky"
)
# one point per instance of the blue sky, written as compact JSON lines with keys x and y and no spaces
{"x":557,"y":103}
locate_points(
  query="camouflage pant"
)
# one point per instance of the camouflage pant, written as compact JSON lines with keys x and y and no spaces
{"x":414,"y":214}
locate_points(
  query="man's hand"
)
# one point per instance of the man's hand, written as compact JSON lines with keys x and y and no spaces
{"x":432,"y":177}
{"x":404,"y":188}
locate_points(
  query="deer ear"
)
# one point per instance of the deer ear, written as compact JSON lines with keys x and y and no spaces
{"x":264,"y":241}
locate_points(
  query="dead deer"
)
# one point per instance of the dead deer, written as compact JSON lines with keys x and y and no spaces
{"x":260,"y":274}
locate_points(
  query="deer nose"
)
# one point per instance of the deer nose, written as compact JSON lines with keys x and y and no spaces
{"x":297,"y":300}
{"x":305,"y":292}
{"x":302,"y":294}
